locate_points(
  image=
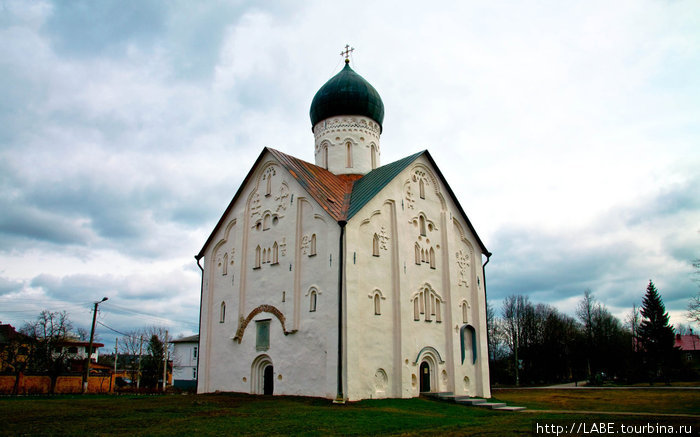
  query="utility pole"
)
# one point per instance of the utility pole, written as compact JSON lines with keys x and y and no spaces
{"x":116,"y":357}
{"x":165,"y":360}
{"x":138,"y":374}
{"x":116,"y":353}
{"x":86,"y":377}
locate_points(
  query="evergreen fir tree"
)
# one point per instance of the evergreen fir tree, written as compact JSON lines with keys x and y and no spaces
{"x":655,"y":334}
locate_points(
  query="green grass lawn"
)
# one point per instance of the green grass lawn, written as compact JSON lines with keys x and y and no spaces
{"x":665,"y":401}
{"x":237,"y":414}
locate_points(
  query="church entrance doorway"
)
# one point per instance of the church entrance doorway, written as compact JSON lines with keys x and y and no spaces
{"x":261,"y":376}
{"x":424,"y":377}
{"x":268,"y":381}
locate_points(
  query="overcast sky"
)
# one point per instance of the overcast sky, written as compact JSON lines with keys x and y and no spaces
{"x":569,"y":131}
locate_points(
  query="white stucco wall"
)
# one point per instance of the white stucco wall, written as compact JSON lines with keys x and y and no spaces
{"x":390,"y":343}
{"x":184,"y":361}
{"x":304,"y":358}
{"x":334,"y":134}
{"x":382,"y":352}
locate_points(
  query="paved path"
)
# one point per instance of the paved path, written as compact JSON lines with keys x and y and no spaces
{"x":615,"y":413}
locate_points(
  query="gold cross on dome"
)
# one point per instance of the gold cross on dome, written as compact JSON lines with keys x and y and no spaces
{"x":347,"y":52}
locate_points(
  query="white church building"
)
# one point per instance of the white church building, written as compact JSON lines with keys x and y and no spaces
{"x":344,"y":279}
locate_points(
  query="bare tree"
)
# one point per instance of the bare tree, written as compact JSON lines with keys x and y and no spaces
{"x":694,"y":308}
{"x":147,"y":349}
{"x":682,"y":329}
{"x":513,"y":326}
{"x":84,"y":335}
{"x":694,"y":303}
{"x":131,"y":345}
{"x":585,"y":311}
{"x":493,"y":332}
{"x":632,"y":322}
{"x":49,"y":332}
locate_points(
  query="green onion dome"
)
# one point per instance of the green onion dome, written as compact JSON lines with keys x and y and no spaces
{"x":347,"y":93}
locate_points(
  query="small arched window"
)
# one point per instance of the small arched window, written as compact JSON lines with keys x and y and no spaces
{"x":416,"y":309}
{"x":377,"y":309}
{"x":422,"y":303}
{"x":224,"y":269}
{"x":421,"y":223}
{"x":325,"y":156}
{"x":264,"y":256}
{"x":222,"y":314}
{"x":275,"y":253}
{"x":432,"y":258}
{"x":428,"y":310}
{"x":266,"y":222}
{"x":348,"y":153}
{"x":268,"y":189}
{"x":312,"y":301}
{"x":375,"y":245}
{"x":421,"y":188}
{"x":417,"y":250}
{"x":257,"y":257}
{"x":374,"y":156}
{"x":438,"y":313}
{"x":312,"y":249}
{"x":464,"y":312}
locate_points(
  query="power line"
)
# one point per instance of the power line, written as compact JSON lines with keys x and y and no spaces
{"x":147,"y":316}
{"x":112,"y":329}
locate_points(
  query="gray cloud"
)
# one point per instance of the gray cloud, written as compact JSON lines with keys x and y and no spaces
{"x":615,"y":256}
{"x":8,"y":285}
{"x":93,"y":29}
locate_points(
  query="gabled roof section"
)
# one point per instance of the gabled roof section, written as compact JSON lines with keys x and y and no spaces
{"x":372,"y":183}
{"x":341,"y":196}
{"x":332,"y":192}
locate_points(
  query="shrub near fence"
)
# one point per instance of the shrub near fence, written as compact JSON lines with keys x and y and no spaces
{"x":41,"y":384}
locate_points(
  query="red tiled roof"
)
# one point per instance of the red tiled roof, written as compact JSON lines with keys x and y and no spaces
{"x":688,"y":342}
{"x":332,"y":192}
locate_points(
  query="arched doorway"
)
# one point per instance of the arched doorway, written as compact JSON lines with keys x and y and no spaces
{"x":424,"y":377}
{"x":268,"y":381}
{"x":261,"y":376}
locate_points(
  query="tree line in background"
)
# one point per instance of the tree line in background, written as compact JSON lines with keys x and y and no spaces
{"x":533,"y":344}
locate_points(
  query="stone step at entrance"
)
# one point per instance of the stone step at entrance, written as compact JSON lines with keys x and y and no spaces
{"x":475,"y":402}
{"x":510,"y":408}
{"x":491,"y":405}
{"x":471,"y":401}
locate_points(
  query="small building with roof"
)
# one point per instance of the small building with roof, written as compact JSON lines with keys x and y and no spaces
{"x":689,"y":345}
{"x":185,"y":354}
{"x":344,"y":278}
